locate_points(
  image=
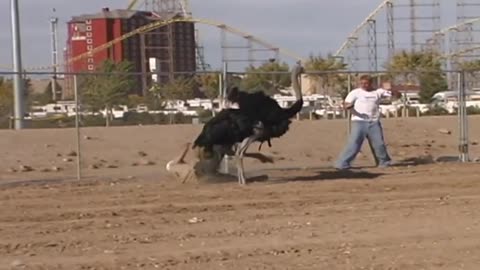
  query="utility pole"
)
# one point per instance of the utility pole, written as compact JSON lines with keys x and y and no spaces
{"x":53,"y":28}
{"x":18,"y":83}
{"x":413,"y":25}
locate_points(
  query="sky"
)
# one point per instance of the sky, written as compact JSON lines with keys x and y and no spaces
{"x":301,"y":26}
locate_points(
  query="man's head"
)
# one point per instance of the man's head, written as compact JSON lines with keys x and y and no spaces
{"x":366,"y":82}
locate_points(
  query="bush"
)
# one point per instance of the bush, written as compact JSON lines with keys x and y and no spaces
{"x":436,"y":110}
{"x":134,"y":118}
{"x":411,"y":111}
{"x":473,"y":110}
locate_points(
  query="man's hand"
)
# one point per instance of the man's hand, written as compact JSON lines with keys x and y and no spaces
{"x":387,"y":85}
{"x":347,"y":105}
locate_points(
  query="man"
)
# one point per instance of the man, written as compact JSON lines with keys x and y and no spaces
{"x":364,"y":103}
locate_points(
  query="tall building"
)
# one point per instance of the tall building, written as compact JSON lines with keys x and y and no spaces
{"x":166,"y":50}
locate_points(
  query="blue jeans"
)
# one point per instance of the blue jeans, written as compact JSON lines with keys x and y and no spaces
{"x":372,"y":130}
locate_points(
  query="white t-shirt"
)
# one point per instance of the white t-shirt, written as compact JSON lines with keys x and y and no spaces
{"x":366,"y":104}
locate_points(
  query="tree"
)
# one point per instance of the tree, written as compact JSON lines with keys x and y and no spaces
{"x":329,"y":82}
{"x":421,"y":68}
{"x":104,"y":91}
{"x":268,"y":83}
{"x":47,"y":95}
{"x":178,"y":89}
{"x":135,"y":100}
{"x":472,"y":73}
{"x":6,"y":97}
{"x":209,"y":85}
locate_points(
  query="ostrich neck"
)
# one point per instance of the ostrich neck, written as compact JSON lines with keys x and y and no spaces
{"x":296,"y":86}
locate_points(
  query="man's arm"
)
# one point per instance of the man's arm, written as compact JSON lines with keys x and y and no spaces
{"x":349,"y":101}
{"x":388,"y":91}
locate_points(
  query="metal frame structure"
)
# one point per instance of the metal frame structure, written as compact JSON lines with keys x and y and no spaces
{"x":390,"y":29}
{"x":251,"y":49}
{"x":372,"y":45}
{"x":381,"y":43}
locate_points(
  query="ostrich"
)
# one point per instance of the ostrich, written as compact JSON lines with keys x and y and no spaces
{"x":259,"y":118}
{"x":229,"y":129}
{"x":206,"y":165}
{"x":259,"y":107}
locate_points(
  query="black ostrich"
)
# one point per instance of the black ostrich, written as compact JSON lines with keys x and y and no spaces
{"x":221,"y":135}
{"x":259,"y":107}
{"x":259,"y":118}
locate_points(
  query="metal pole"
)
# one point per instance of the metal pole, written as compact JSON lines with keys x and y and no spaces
{"x":226,"y":158}
{"x":77,"y":127}
{"x":462,"y":117}
{"x":413,"y":25}
{"x":53,"y":24}
{"x":349,"y":114}
{"x":220,"y":90}
{"x":390,"y":31}
{"x":18,"y":84}
{"x":225,"y":84}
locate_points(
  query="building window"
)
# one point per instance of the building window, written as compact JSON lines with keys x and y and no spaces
{"x":90,"y":60}
{"x":89,"y":34}
{"x":89,"y":47}
{"x":89,"y":28}
{"x":88,"y":22}
{"x":90,"y":67}
{"x":89,"y":41}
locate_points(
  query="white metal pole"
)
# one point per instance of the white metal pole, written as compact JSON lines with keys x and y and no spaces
{"x":349,"y":114}
{"x":18,"y":83}
{"x":77,"y":127}
{"x":53,"y":24}
{"x":225,"y":84}
{"x":462,"y":118}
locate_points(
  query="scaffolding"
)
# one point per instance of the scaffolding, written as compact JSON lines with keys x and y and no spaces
{"x":423,"y":21}
{"x":385,"y":30}
{"x":466,"y":36}
{"x":467,"y":32}
{"x":179,"y":8}
{"x":233,"y":52}
{"x":162,"y":7}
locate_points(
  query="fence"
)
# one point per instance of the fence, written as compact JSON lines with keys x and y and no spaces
{"x":117,"y":99}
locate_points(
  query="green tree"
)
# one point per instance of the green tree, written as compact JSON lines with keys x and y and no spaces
{"x":268,"y":83}
{"x":472,"y":73}
{"x":106,"y":90}
{"x":209,"y":85}
{"x":330,"y":82}
{"x":6,"y":97}
{"x":421,"y":68}
{"x":47,"y":95}
{"x":135,"y":100}
{"x":178,"y":89}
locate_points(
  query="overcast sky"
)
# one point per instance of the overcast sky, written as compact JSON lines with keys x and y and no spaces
{"x":302,"y":26}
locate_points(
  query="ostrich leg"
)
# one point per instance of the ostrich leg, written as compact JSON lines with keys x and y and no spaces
{"x":239,"y":156}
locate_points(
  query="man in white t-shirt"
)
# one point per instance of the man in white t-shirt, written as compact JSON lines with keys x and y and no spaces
{"x":364,"y":105}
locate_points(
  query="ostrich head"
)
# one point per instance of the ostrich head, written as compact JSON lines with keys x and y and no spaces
{"x":233,"y":95}
{"x":297,"y":70}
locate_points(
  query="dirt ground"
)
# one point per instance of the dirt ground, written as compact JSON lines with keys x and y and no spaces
{"x":126,"y":213}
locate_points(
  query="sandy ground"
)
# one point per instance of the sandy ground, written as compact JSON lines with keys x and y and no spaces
{"x":127,"y":213}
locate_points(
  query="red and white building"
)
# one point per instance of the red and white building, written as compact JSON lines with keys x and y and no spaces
{"x":172,"y":47}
